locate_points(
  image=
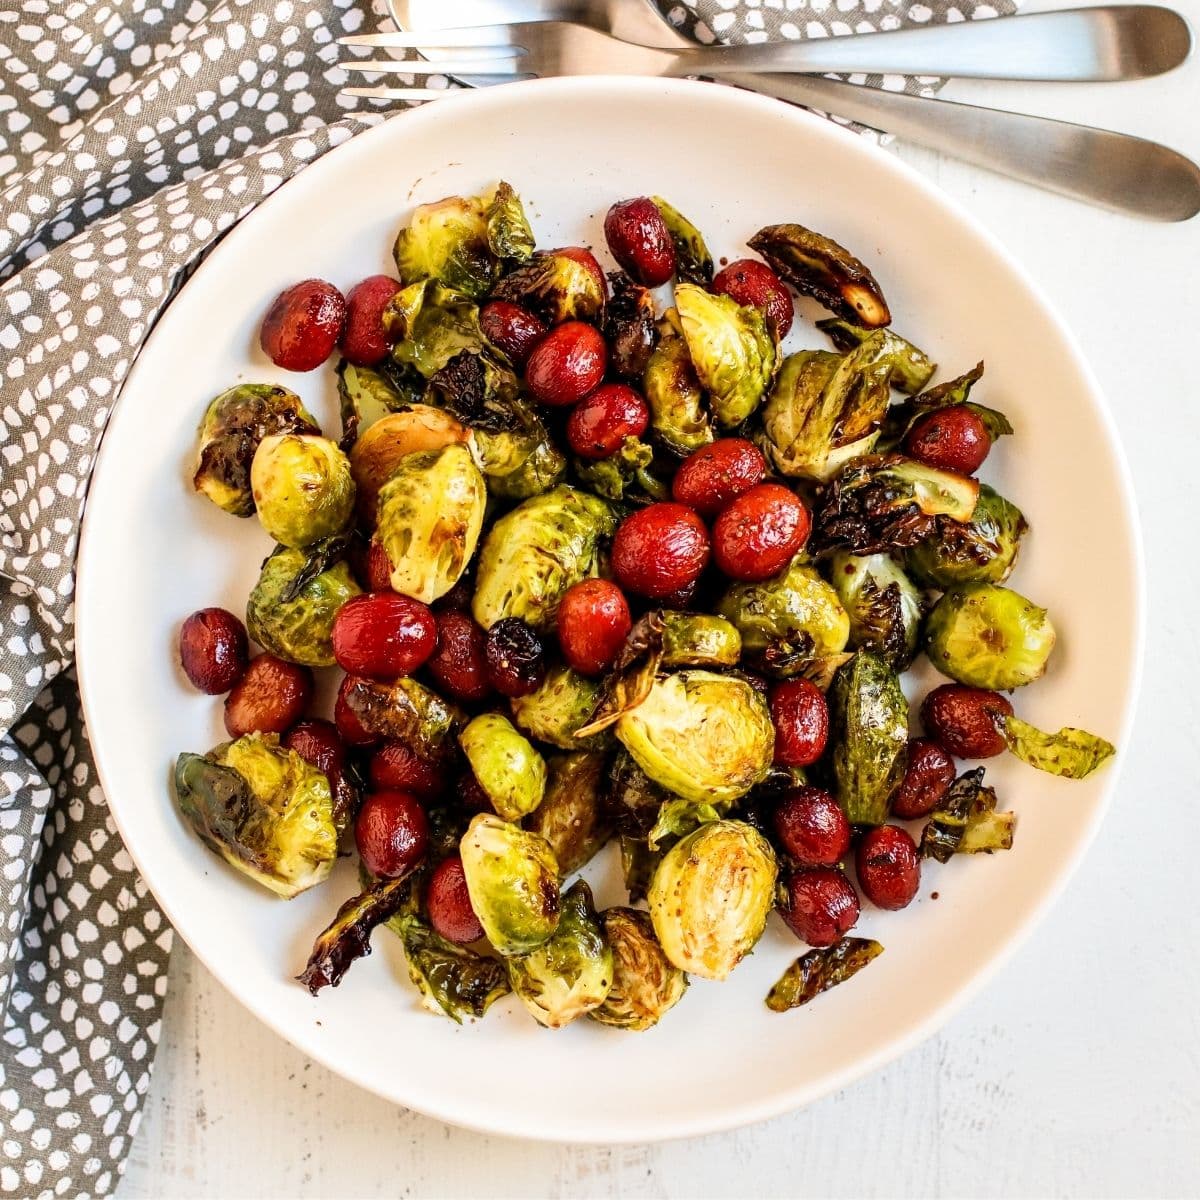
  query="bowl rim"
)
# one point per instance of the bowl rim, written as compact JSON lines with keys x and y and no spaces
{"x":477,"y":103}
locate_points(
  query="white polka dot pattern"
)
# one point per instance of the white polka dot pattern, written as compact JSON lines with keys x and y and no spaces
{"x":132,"y":135}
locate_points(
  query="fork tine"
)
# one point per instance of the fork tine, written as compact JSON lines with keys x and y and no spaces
{"x":402,"y":93}
{"x":420,"y":66}
{"x":499,"y":36}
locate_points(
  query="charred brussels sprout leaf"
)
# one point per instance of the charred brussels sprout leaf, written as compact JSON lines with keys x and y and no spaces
{"x":711,"y":896}
{"x":677,"y":818}
{"x":512,"y":879}
{"x":303,"y":489}
{"x":366,"y":396}
{"x":988,"y":636}
{"x":399,"y":316}
{"x":453,"y":980}
{"x":448,"y":241}
{"x":703,"y":736}
{"x":645,"y":984}
{"x":571,"y":816}
{"x":622,"y":472}
{"x":883,"y":604}
{"x":560,"y":707}
{"x":405,"y":711}
{"x":1071,"y":753}
{"x":482,"y":393}
{"x":508,"y":234}
{"x":966,"y":822}
{"x":632,"y":676}
{"x":630,"y":327}
{"x":348,"y":937}
{"x":570,"y":974}
{"x":445,"y":327}
{"x":429,"y":519}
{"x":634,"y":798}
{"x":679,"y":421}
{"x":699,"y":640}
{"x":819,"y":970}
{"x":817,"y":266}
{"x":233,"y":426}
{"x":911,"y":367}
{"x":508,"y":768}
{"x":638,"y":864}
{"x":885,"y":503}
{"x":955,"y":391}
{"x":521,"y":465}
{"x":555,"y":288}
{"x":693,"y":263}
{"x":534,"y":553}
{"x":869,"y":731}
{"x":263,"y":809}
{"x":732,"y":349}
{"x":300,"y":628}
{"x":981,"y":550}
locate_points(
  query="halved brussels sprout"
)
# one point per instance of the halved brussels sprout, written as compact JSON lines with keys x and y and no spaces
{"x":883,"y":605}
{"x":699,"y":640}
{"x":732,"y":348}
{"x":430,"y":517}
{"x":297,"y":625}
{"x":703,"y":736}
{"x":988,"y":636}
{"x":405,"y":711}
{"x":234,"y":424}
{"x":302,"y":487}
{"x":868,"y":717}
{"x":693,"y":262}
{"x":445,"y":326}
{"x":263,"y":809}
{"x":645,"y":984}
{"x":790,"y":622}
{"x":629,"y":327}
{"x":711,"y":896}
{"x":981,"y":550}
{"x":534,"y":553}
{"x":571,"y":816}
{"x":366,"y":396}
{"x":561,"y":705}
{"x":448,"y":241}
{"x":512,"y":879}
{"x":679,"y":421}
{"x":571,"y":973}
{"x":510,"y":771}
{"x":911,"y":367}
{"x":555,"y":287}
{"x":453,"y":980}
{"x":522,"y":464}
{"x":508,"y":233}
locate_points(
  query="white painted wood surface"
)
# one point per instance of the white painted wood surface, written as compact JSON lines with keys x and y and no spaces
{"x":1076,"y":1073}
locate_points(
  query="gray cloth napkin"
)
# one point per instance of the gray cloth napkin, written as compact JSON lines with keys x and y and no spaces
{"x":133,"y":133}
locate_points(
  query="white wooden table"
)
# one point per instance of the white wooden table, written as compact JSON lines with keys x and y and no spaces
{"x":1077,"y":1073}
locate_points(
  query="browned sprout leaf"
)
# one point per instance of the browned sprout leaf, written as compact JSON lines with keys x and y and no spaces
{"x":966,"y":821}
{"x":632,"y":676}
{"x":819,"y":970}
{"x":817,"y":266}
{"x":1071,"y":753}
{"x":693,"y":262}
{"x":630,"y":327}
{"x":902,"y":417}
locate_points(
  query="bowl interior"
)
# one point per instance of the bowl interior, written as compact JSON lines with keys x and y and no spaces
{"x":153,"y":552}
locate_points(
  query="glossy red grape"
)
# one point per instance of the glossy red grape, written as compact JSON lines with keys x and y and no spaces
{"x":383,"y":635}
{"x":821,"y":905}
{"x":318,"y":743}
{"x":449,"y":905}
{"x":213,"y":650}
{"x":512,"y":330}
{"x":600,"y":423}
{"x":303,"y":325}
{"x":660,"y":550}
{"x":363,"y":340}
{"x":962,"y":720}
{"x":459,"y":665}
{"x":353,"y":732}
{"x":929,"y":774}
{"x":391,"y":832}
{"x":593,"y":623}
{"x":888,"y":867}
{"x":709,"y":478}
{"x":566,"y":364}
{"x":760,"y":532}
{"x":801,"y":716}
{"x":269,"y":698}
{"x":753,"y":283}
{"x":812,"y":828}
{"x":397,"y":767}
{"x":640,"y":241}
{"x":951,"y":439}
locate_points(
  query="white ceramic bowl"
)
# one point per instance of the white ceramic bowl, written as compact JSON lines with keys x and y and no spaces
{"x":153,"y":552}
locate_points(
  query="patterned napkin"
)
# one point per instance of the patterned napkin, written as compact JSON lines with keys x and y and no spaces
{"x":133,"y":133}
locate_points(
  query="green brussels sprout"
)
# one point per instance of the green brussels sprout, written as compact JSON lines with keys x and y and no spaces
{"x":868,"y":719}
{"x":981,"y":550}
{"x":699,"y":640}
{"x":711,"y":896}
{"x":263,"y":809}
{"x":302,"y":488}
{"x":405,"y":711}
{"x":534,"y":553}
{"x":732,"y":349}
{"x":512,"y":879}
{"x":988,"y":636}
{"x":509,"y":769}
{"x":571,"y":816}
{"x":290,"y":612}
{"x":1069,"y":753}
{"x":883,"y":604}
{"x":445,"y":327}
{"x":789,"y":621}
{"x":561,"y":705}
{"x":703,"y":736}
{"x":556,"y":288}
{"x":901,"y":417}
{"x":693,"y":262}
{"x":911,"y":367}
{"x":452,"y":980}
{"x":645,"y":984}
{"x":448,"y":241}
{"x":234,"y":424}
{"x":520,"y":465}
{"x":367,"y":395}
{"x":679,"y":421}
{"x":508,"y":234}
{"x":399,"y":316}
{"x":429,"y":519}
{"x":570,"y":974}
{"x":625,"y":471}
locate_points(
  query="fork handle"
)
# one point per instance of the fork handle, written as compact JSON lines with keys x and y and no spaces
{"x":1099,"y":166}
{"x":1078,"y":45}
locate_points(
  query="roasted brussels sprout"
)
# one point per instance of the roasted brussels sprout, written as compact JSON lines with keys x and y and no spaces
{"x":621,"y":473}
{"x":884,"y":503}
{"x":534,"y":553}
{"x":630,"y":327}
{"x":430,"y":516}
{"x":711,"y":896}
{"x":263,"y":809}
{"x":704,"y":736}
{"x":512,"y":879}
{"x":1071,"y":753}
{"x":508,"y":234}
{"x":645,"y":985}
{"x":988,"y":636}
{"x":883,"y":605}
{"x":819,"y":970}
{"x":482,"y":392}
{"x":911,"y":367}
{"x":448,"y":241}
{"x":732,"y":350}
{"x":234,"y":424}
{"x":817,"y":266}
{"x":302,"y":488}
{"x":453,"y":980}
{"x":555,"y":288}
{"x":679,"y":421}
{"x":445,"y":326}
{"x":693,"y":263}
{"x":869,"y":732}
{"x":699,"y":640}
{"x":966,"y":822}
{"x":788,"y":623}
{"x":400,"y":313}
{"x":521,"y":465}
{"x":570,"y":974}
{"x":366,"y":396}
{"x":561,"y":705}
{"x":981,"y":550}
{"x":902,"y":417}
{"x":296,"y":623}
{"x":571,"y":817}
{"x":405,"y":711}
{"x":510,"y":771}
